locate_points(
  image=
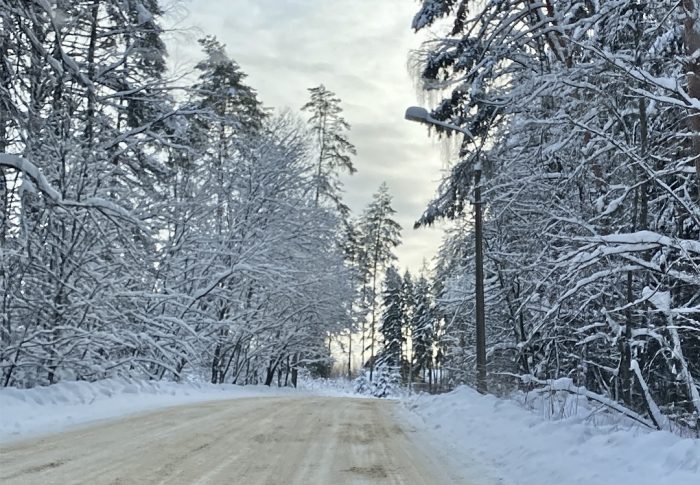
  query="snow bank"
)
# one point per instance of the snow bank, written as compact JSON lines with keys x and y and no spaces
{"x":516,"y":446}
{"x":30,"y":412}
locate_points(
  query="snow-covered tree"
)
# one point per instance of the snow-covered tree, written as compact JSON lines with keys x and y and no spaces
{"x":589,"y":193}
{"x":380,"y":235}
{"x":150,"y":236}
{"x":422,"y":325}
{"x":392,"y":320}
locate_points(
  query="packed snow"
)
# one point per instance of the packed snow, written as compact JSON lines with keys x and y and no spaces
{"x":551,"y":440}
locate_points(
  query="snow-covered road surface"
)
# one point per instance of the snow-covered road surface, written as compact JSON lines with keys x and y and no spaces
{"x":272,"y":440}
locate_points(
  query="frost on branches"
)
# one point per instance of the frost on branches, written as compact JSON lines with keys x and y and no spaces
{"x":145,"y":234}
{"x":589,"y":116}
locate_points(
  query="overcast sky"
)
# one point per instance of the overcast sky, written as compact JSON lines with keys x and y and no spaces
{"x":359,"y":50}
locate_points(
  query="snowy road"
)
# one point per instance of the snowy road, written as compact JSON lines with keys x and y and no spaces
{"x":290,"y":440}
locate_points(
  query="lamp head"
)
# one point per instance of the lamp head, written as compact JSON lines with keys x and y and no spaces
{"x":416,"y":113}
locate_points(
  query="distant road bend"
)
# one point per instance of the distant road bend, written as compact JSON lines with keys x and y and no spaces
{"x":267,"y":441}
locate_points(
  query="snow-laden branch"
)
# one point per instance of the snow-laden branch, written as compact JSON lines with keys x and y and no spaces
{"x":34,"y":173}
{"x":665,"y":83}
{"x":662,"y":302}
{"x":659,"y":419}
{"x":565,"y":384}
{"x":644,"y":238}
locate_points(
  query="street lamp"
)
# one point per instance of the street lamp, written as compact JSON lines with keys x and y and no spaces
{"x":421,"y":115}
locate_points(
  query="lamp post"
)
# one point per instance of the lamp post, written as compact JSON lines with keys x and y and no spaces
{"x":421,"y":115}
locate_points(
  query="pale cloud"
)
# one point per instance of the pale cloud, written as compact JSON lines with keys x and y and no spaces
{"x":358,"y":49}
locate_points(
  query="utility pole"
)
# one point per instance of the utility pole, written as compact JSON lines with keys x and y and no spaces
{"x":421,"y":115}
{"x":479,"y":260}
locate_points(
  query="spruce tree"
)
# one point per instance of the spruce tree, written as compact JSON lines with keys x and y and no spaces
{"x":392,"y":321}
{"x":380,"y":235}
{"x":422,"y":323}
{"x":407,"y":310}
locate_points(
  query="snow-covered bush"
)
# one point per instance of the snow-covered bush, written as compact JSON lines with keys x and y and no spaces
{"x":386,"y":382}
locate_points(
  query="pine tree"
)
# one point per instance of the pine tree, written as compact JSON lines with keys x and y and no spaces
{"x":232,"y":107}
{"x":334,"y":149}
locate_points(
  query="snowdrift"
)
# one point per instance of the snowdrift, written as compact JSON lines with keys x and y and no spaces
{"x":517,"y":446}
{"x":40,"y":410}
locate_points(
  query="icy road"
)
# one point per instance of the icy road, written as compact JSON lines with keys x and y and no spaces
{"x":291,"y":440}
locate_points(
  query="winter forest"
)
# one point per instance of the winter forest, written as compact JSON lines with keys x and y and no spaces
{"x":171,"y":227}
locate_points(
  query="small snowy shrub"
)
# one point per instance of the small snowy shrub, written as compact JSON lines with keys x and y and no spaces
{"x":386,"y":381}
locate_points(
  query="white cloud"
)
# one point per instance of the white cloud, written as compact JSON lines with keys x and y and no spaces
{"x":358,"y":49}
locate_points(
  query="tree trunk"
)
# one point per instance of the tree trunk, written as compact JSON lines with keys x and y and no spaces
{"x":430,"y":377}
{"x":480,"y":304}
{"x":374,"y":302}
{"x":322,"y":148}
{"x":692,"y":69}
{"x":295,"y":370}
{"x":270,"y":374}
{"x":350,"y":355}
{"x":215,"y":364}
